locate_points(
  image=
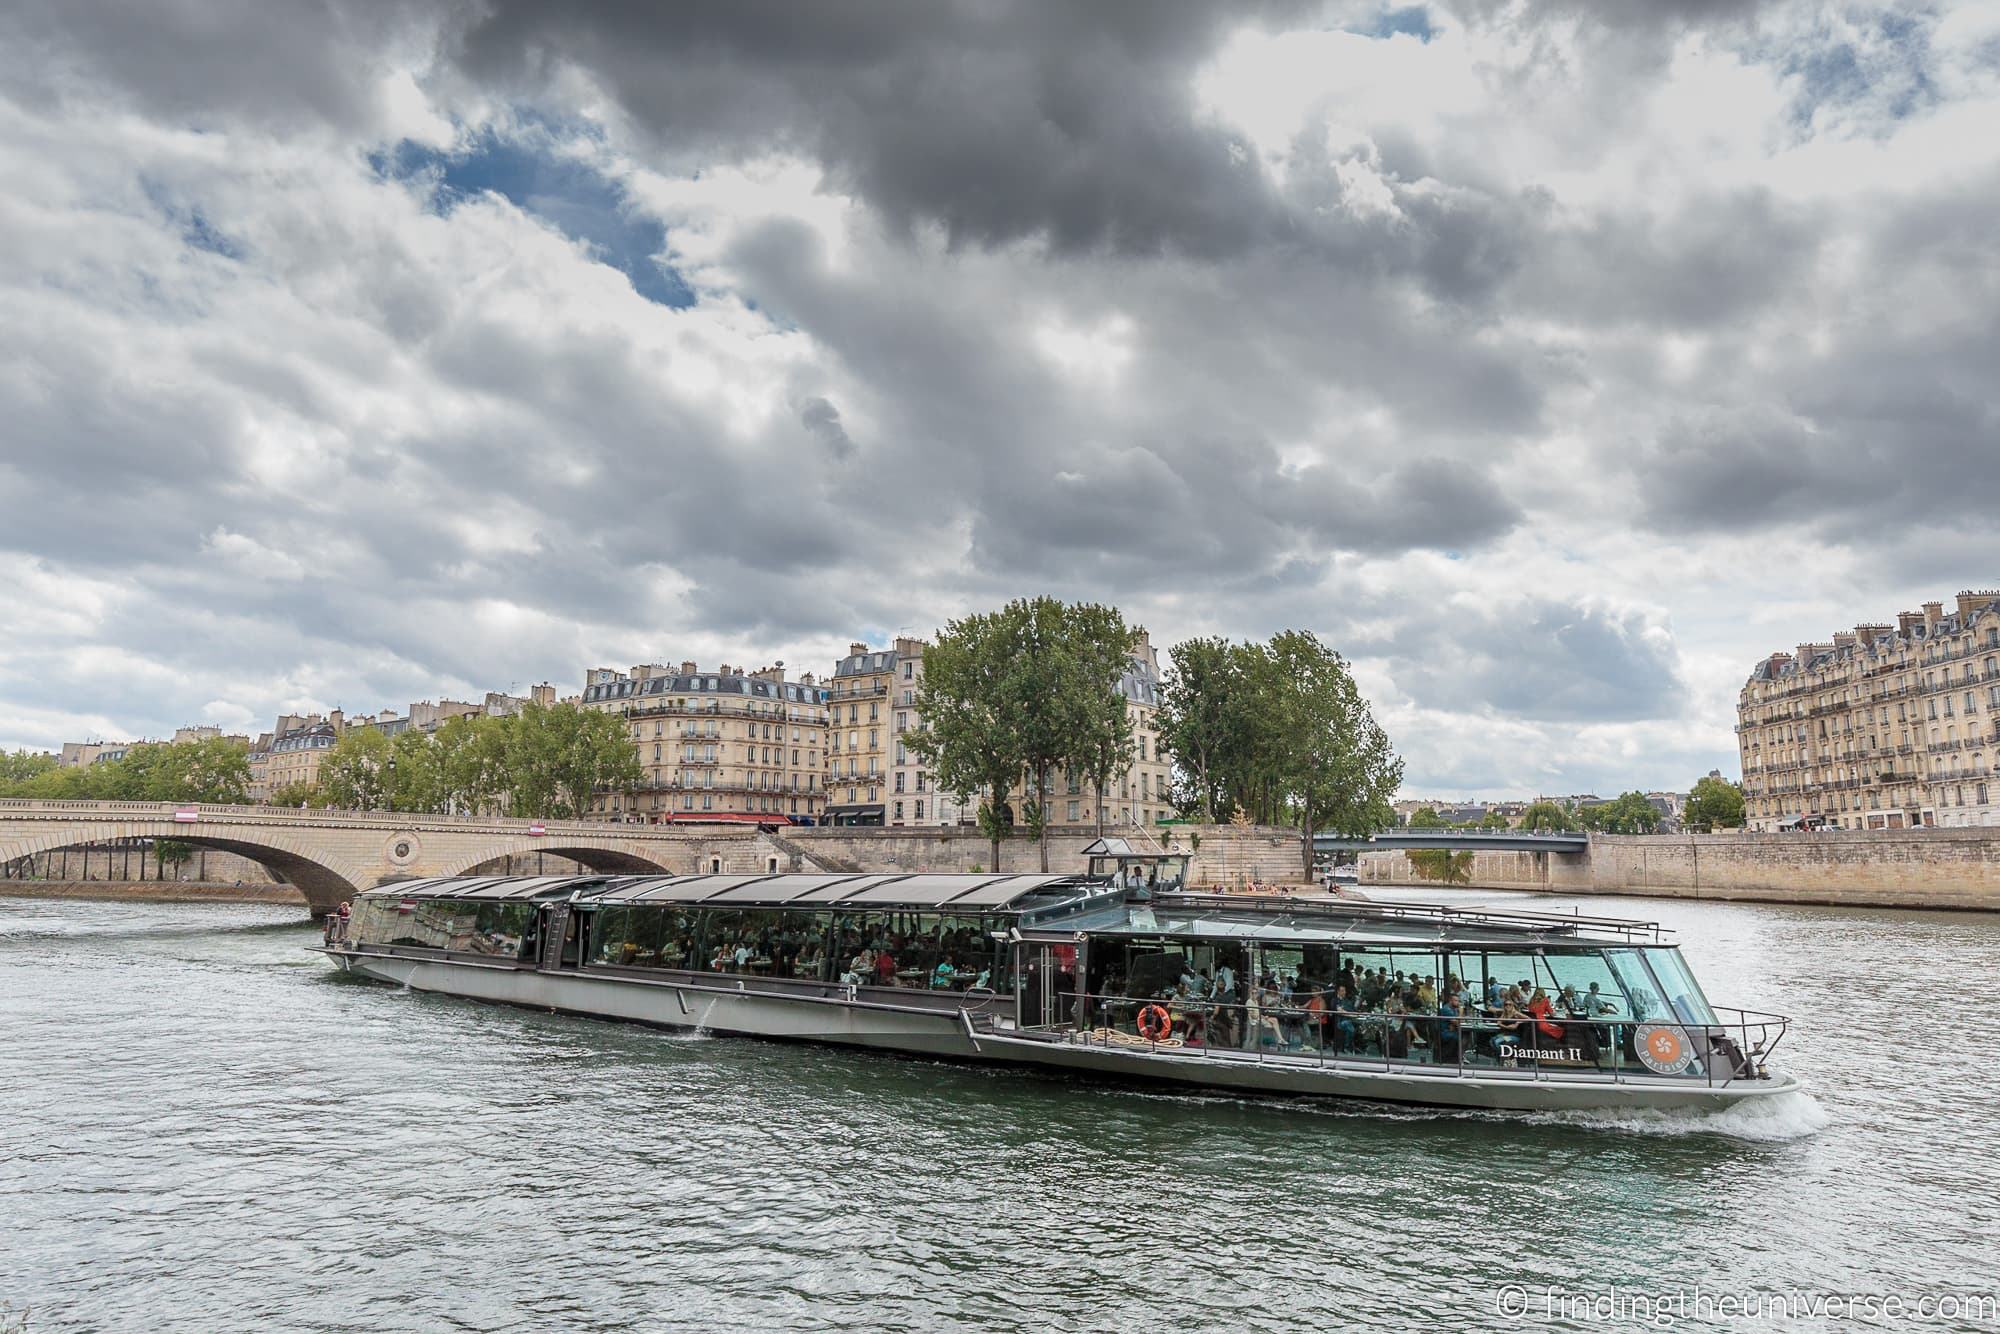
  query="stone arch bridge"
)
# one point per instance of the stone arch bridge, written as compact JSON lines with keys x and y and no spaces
{"x":332,"y":855}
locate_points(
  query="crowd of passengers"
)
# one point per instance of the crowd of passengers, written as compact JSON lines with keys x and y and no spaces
{"x":958,"y":959}
{"x":1402,"y":1016}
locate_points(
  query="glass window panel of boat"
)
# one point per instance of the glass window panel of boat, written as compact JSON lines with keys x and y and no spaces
{"x":1588,"y":976}
{"x":741,"y":942}
{"x":609,"y":942}
{"x":497,"y":929}
{"x":680,"y":938}
{"x":632,"y":934}
{"x":1642,"y":996}
{"x":1501,"y":968}
{"x":1684,"y":994}
{"x":798,"y":945}
{"x":945,"y":952}
{"x":1375,"y":968}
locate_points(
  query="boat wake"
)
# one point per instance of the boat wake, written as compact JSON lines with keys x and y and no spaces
{"x":1784,"y":1116}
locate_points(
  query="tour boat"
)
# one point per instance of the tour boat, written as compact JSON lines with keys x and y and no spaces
{"x":1125,"y":975}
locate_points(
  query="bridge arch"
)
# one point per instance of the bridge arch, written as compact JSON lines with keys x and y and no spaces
{"x":322,"y":881}
{"x":607,"y":861}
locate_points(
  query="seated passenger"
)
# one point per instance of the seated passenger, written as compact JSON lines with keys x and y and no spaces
{"x":943,"y":974}
{"x":1447,"y":1043}
{"x":1341,"y":1009}
{"x":1547,"y":1032}
{"x":1493,"y":996}
{"x":885,"y":968}
{"x":719,"y":963}
{"x":1396,"y":1036}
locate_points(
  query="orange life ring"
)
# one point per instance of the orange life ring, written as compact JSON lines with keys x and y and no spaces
{"x":1154,"y":1023}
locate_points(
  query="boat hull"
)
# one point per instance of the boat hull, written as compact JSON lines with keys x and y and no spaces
{"x":736,"y":1009}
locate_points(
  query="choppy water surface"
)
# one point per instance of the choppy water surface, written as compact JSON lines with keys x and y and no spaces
{"x":203,"y":1128}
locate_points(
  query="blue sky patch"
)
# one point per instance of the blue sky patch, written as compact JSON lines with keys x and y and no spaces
{"x":570,"y":195}
{"x":1411,"y":21}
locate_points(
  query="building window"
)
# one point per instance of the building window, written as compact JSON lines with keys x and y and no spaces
{"x":899,"y":781}
{"x":899,"y":810}
{"x":1073,"y":816}
{"x":920,"y":808}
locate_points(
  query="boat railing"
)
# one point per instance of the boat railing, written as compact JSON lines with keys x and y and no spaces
{"x":1733,"y":1048}
{"x":1443,"y":915}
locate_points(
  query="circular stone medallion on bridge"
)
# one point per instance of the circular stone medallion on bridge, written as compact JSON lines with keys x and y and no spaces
{"x":402,"y":849}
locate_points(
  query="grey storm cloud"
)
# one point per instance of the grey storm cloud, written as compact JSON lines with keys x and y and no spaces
{"x":337,"y":431}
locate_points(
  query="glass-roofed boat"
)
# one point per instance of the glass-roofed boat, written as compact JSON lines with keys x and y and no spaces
{"x":1121,"y":973}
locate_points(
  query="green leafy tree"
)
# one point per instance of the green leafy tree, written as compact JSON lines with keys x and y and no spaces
{"x":1108,"y":749}
{"x":1426,"y":817}
{"x":967,"y":737}
{"x":1715,"y":803}
{"x":415,"y":778}
{"x":212,"y":769}
{"x":298,"y":794}
{"x":1200,"y":719}
{"x":1068,"y":660}
{"x":1493,"y":822}
{"x":1336,"y":767}
{"x":557,"y":757}
{"x":1628,"y":813}
{"x":171,"y":852}
{"x":21,"y":768}
{"x":1547,"y":817}
{"x":1441,"y":865}
{"x":471,"y":763}
{"x":354,"y":775}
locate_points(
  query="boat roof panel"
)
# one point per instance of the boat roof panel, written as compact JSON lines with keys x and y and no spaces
{"x":1008,"y":889}
{"x":796,"y":886}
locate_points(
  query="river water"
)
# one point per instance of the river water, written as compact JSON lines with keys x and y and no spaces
{"x":201,"y":1127}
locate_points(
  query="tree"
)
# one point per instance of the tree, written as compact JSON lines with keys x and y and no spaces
{"x":1442,"y":865}
{"x":1069,"y":659}
{"x":1547,"y":817}
{"x":1200,"y":699}
{"x":298,"y":794}
{"x":1023,"y":691}
{"x":170,"y":850}
{"x":557,"y":757}
{"x":1109,"y":750}
{"x":471,"y":763}
{"x":1494,"y":822}
{"x":416,"y":780}
{"x":1628,"y":813}
{"x":1426,"y":817}
{"x":1715,"y":803}
{"x":354,"y":775}
{"x":1335,"y":767}
{"x":966,"y":737}
{"x":20,"y":768}
{"x":211,"y":770}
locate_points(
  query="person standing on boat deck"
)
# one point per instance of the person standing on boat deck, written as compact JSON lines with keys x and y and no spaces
{"x":346,"y":914}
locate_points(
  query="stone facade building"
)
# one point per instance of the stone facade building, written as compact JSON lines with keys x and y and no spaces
{"x":1883,"y":727}
{"x":297,"y":751}
{"x":717,"y":745}
{"x":858,"y":735}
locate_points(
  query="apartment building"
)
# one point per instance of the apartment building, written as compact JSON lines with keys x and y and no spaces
{"x":859,"y":738}
{"x":723,"y":745}
{"x":1882,"y":727}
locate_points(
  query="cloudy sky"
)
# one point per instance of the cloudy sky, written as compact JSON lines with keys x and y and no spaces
{"x":1554,"y":361}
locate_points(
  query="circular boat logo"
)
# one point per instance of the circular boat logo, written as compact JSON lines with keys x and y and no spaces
{"x":1663,"y":1050}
